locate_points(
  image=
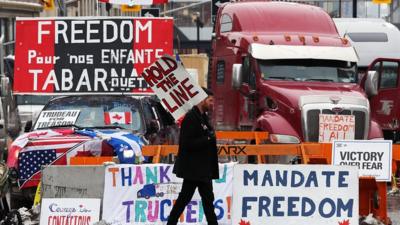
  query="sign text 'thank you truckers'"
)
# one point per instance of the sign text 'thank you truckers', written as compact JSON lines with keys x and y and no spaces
{"x":174,"y":86}
{"x":295,"y":194}
{"x":88,"y":55}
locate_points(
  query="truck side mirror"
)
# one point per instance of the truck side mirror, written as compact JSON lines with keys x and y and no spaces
{"x":236,"y":76}
{"x":4,"y":82}
{"x":371,"y":83}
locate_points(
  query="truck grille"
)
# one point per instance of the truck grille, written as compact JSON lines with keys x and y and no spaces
{"x":312,"y":123}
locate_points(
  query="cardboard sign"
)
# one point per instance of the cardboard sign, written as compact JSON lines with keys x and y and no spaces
{"x":50,"y":118}
{"x":174,"y":86}
{"x":104,"y":55}
{"x":336,"y":127}
{"x":67,"y":211}
{"x":295,"y":194}
{"x":372,"y":158}
{"x":144,"y":194}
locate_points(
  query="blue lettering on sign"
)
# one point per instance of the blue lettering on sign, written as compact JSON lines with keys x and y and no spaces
{"x":217,"y":206}
{"x":277,"y":205}
{"x":328,"y":175}
{"x":331,"y":206}
{"x":345,"y":207}
{"x":267,"y":177}
{"x":311,"y":206}
{"x":292,"y":206}
{"x":298,"y":174}
{"x":126,"y":177}
{"x":164,"y":202}
{"x":263,"y":205}
{"x":342,"y":178}
{"x":245,"y":205}
{"x":312,"y":178}
{"x":296,"y":206}
{"x":281,"y":180}
{"x":247,"y":177}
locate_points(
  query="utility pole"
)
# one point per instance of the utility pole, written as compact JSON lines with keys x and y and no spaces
{"x":199,"y":24}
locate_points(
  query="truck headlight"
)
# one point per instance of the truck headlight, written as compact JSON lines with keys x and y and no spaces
{"x":283,"y":139}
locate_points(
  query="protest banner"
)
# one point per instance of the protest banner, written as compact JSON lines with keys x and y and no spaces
{"x":295,"y":194}
{"x":69,"y":211}
{"x":373,"y":158}
{"x":59,"y":56}
{"x":144,"y":194}
{"x":50,"y":118}
{"x":173,"y":85}
{"x":336,"y":127}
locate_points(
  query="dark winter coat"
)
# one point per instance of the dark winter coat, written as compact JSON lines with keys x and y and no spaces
{"x":197,"y":155}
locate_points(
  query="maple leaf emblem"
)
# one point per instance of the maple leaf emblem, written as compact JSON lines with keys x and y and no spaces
{"x":117,"y":117}
{"x":243,"y":222}
{"x":344,"y":222}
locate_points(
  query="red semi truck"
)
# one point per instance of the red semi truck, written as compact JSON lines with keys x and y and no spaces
{"x":283,"y":68}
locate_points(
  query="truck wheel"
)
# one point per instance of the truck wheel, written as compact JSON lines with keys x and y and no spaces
{"x":146,"y":197}
{"x":161,"y":194}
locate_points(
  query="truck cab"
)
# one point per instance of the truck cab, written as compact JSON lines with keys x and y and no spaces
{"x":283,"y":68}
{"x":382,"y":86}
{"x":376,"y":43}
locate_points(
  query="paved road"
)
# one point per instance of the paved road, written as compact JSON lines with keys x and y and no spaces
{"x":394,"y":209}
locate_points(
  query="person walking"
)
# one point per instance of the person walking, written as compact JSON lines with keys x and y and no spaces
{"x":197,"y":161}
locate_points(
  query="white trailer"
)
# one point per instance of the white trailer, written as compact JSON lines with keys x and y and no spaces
{"x":372,"y":38}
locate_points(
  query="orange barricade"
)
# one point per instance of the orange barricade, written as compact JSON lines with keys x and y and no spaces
{"x":89,"y":160}
{"x":396,"y":166}
{"x":372,"y":194}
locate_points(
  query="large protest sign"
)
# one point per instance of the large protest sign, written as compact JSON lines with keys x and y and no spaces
{"x":145,"y":194}
{"x":295,"y":194}
{"x":69,"y":211}
{"x":371,"y":157}
{"x":88,"y":55}
{"x":50,"y":118}
{"x":336,"y":127}
{"x":174,"y":86}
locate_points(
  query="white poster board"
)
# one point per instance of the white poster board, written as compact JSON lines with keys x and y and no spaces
{"x":49,"y":118}
{"x":371,"y":157}
{"x":336,"y":127}
{"x":57,"y":211}
{"x":144,"y":194}
{"x":173,"y":85}
{"x":295,"y":194}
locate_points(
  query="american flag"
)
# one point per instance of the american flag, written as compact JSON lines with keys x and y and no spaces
{"x":46,"y":151}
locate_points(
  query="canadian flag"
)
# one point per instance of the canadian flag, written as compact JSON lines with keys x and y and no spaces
{"x":117,"y":118}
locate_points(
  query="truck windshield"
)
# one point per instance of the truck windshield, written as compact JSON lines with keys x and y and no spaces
{"x":101,"y":112}
{"x":33,"y":99}
{"x":308,"y":70}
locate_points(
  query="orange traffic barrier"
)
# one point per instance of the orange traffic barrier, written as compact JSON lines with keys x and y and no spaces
{"x":396,"y":165}
{"x":372,"y":194}
{"x":89,"y":160}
